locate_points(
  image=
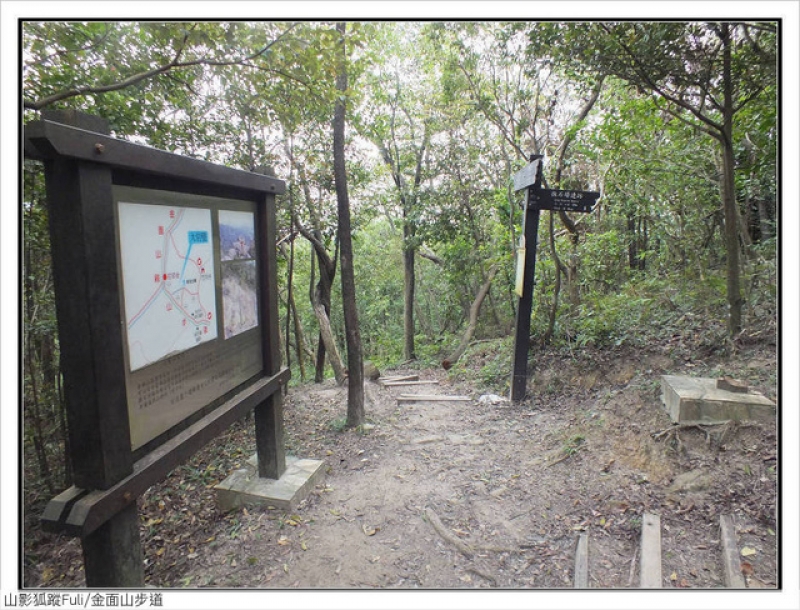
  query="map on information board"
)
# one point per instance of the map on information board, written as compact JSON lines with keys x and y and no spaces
{"x":167,"y":262}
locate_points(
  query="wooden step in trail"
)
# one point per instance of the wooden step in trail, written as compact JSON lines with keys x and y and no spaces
{"x":650,"y":566}
{"x":650,"y":570}
{"x":732,"y":565}
{"x":394,"y":378}
{"x":432,"y":398}
{"x":582,"y":562}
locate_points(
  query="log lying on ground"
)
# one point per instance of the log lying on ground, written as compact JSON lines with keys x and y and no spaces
{"x":392,"y":378}
{"x":432,"y":398}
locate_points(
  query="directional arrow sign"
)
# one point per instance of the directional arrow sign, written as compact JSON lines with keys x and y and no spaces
{"x":565,"y":201}
{"x":526,"y":176}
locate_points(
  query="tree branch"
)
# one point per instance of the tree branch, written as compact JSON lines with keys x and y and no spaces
{"x":174,"y":64}
{"x":644,"y":74}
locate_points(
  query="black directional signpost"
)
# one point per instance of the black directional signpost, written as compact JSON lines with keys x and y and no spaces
{"x":537,"y":199}
{"x":565,"y":201}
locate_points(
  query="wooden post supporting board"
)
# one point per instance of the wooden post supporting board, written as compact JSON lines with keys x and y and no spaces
{"x":112,"y":554}
{"x":88,"y":302}
{"x":268,"y":416}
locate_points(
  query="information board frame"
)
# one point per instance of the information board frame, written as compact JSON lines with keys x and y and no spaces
{"x":83,"y":168}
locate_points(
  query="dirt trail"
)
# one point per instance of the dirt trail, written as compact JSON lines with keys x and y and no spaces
{"x":463,"y":495}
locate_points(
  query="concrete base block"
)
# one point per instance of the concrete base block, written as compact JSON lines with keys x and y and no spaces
{"x":245,"y":488}
{"x":698,"y":400}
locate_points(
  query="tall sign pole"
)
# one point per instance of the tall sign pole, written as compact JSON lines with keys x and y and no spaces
{"x":529,"y":178}
{"x":536,"y":199}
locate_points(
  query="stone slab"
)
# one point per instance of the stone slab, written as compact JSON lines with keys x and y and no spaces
{"x":245,"y":488}
{"x":698,"y":400}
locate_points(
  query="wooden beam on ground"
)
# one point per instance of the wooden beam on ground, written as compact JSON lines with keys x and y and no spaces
{"x":650,"y":575}
{"x":399,"y":378}
{"x":432,"y":398}
{"x":730,"y":554}
{"x":582,"y":562}
{"x":391,"y":384}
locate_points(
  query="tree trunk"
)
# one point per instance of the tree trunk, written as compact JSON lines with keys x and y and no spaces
{"x":355,"y":386}
{"x":298,"y":336}
{"x":320,"y":297}
{"x":729,"y":192}
{"x":551,"y":324}
{"x":319,"y":358}
{"x":474,"y":310}
{"x":328,"y":342}
{"x":289,"y":299}
{"x":409,"y":287}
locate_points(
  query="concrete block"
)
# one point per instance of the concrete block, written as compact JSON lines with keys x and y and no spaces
{"x":699,"y":400}
{"x":245,"y":488}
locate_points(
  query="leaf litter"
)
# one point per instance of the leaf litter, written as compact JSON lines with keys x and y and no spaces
{"x":577,"y":457}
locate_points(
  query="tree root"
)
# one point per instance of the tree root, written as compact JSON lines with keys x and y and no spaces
{"x":723,"y":431}
{"x":482,"y":574}
{"x":463,"y":548}
{"x":468,"y":550}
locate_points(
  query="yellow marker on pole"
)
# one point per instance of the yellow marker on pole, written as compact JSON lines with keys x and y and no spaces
{"x":520,"y":266}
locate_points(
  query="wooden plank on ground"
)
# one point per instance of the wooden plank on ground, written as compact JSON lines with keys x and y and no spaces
{"x":432,"y":398}
{"x":582,"y":562}
{"x":650,"y":575}
{"x":730,"y":554}
{"x":399,"y":378}
{"x":391,"y":384}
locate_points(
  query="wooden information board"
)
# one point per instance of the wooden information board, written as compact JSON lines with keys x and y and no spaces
{"x":165,"y":279}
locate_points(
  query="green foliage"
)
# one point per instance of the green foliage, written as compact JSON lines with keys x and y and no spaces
{"x":379,"y":272}
{"x":487,"y":362}
{"x":642,"y":311}
{"x":648,"y":262}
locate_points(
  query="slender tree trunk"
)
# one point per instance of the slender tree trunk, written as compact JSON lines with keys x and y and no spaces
{"x":551,"y":324}
{"x":320,"y":297}
{"x":328,"y":341}
{"x":319,"y":358}
{"x":292,"y":317}
{"x":763,"y":220}
{"x":355,"y":386}
{"x":409,"y":288}
{"x":474,"y":311}
{"x":289,"y":297}
{"x":299,"y":339}
{"x":729,"y":193}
